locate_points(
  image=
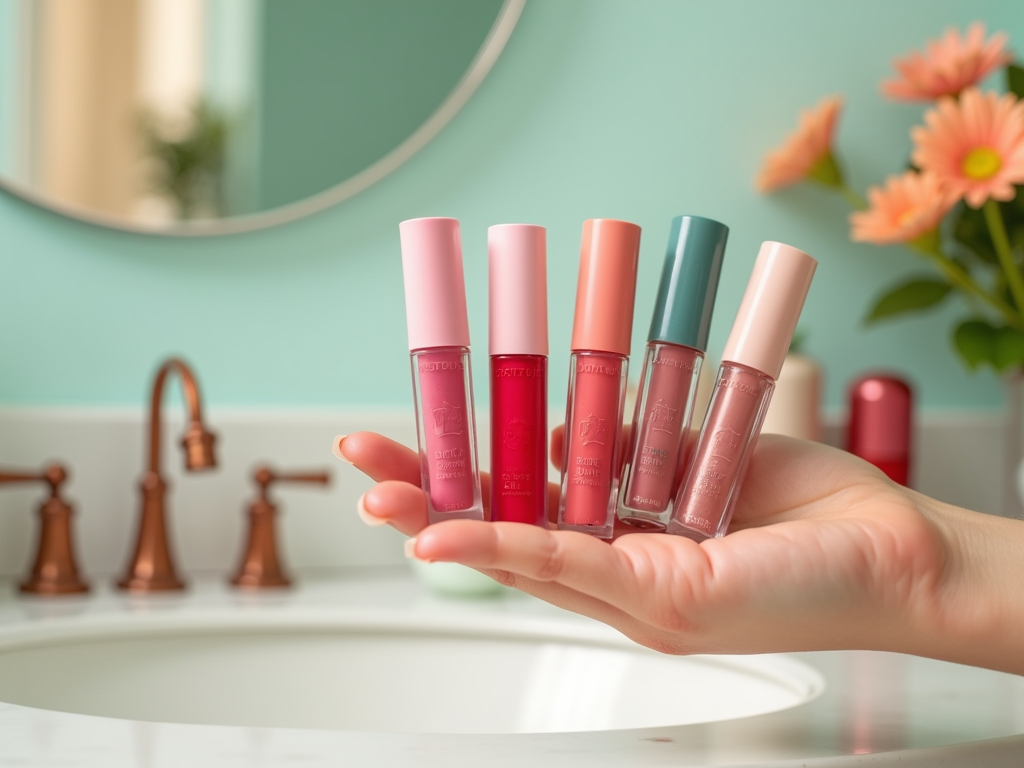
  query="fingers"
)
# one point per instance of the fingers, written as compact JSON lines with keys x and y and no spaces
{"x":574,"y":560}
{"x":379,"y":457}
{"x":399,"y":504}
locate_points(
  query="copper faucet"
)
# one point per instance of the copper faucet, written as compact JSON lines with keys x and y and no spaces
{"x":151,"y":568}
{"x":54,"y":571}
{"x":261,"y":566}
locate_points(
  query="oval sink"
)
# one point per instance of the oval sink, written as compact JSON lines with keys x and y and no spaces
{"x":408,"y":676}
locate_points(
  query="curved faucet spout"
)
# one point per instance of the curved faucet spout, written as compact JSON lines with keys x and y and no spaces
{"x":152,"y":567}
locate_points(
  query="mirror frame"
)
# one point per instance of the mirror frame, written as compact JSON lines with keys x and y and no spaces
{"x":492,"y":47}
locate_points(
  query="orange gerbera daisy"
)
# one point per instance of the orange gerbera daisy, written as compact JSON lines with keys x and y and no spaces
{"x":950,"y":64}
{"x":807,"y":152}
{"x":974,"y":145}
{"x":908,"y":207}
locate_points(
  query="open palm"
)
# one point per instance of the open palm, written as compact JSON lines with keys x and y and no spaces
{"x":824,"y":552}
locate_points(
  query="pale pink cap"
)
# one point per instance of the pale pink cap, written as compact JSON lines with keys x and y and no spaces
{"x":606,"y":288}
{"x":435,"y":289}
{"x":771,"y":306}
{"x":518,"y":289}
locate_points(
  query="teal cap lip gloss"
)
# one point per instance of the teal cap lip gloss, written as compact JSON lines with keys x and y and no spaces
{"x":689,"y":282}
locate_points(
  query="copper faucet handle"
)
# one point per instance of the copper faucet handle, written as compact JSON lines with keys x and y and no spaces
{"x":54,"y":571}
{"x":261,"y":566}
{"x":263,"y":476}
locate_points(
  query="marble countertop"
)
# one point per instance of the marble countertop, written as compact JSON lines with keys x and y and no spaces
{"x":877,"y":709}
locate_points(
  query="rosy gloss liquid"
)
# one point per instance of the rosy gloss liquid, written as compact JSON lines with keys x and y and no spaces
{"x":751,"y":363}
{"x":602,"y":328}
{"x":435,"y":305}
{"x":671,"y":368}
{"x":518,"y":341}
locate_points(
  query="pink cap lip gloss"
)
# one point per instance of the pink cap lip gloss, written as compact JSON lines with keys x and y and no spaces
{"x":435,"y":308}
{"x":518,"y":341}
{"x":601,"y":336}
{"x":751,"y":363}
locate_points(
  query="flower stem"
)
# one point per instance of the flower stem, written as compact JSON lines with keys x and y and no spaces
{"x":853,"y":198}
{"x":962,"y":279}
{"x":996,"y":228}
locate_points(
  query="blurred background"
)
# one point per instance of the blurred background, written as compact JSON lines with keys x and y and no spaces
{"x":640,"y":111}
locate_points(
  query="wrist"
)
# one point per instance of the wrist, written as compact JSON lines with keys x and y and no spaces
{"x":977,"y":616}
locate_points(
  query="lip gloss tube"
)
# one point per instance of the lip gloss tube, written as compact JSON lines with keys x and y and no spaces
{"x":435,"y":309}
{"x":601,"y":331}
{"x":671,"y":368}
{"x":518,"y":341}
{"x":751,"y":363}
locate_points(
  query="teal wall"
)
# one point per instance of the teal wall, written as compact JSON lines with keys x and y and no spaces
{"x":635,"y":110}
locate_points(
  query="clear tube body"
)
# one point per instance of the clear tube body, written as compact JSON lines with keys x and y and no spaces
{"x":446,"y":431}
{"x":664,"y":408}
{"x":593,"y":437}
{"x":519,"y":434}
{"x":706,"y":499}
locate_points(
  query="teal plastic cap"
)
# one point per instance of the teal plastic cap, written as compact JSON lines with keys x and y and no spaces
{"x":689,"y":282}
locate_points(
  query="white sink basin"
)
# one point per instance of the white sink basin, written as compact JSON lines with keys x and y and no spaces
{"x":481,"y":675}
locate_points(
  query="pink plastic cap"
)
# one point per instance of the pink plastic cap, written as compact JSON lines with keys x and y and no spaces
{"x":771,"y":306}
{"x":518,"y":289}
{"x":606,"y":288}
{"x":435,"y":289}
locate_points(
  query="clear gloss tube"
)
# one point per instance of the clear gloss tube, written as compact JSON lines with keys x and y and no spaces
{"x":664,"y":409}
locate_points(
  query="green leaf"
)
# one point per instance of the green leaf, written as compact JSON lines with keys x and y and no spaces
{"x":911,"y":296}
{"x":981,"y":343}
{"x":1015,"y":80}
{"x":1009,"y":349}
{"x":975,"y":340}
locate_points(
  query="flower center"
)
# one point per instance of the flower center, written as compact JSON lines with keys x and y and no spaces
{"x":981,"y":163}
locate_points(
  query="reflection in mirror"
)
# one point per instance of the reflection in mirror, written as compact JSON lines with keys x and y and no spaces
{"x":182,"y":116}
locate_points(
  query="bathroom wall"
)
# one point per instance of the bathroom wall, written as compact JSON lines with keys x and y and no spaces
{"x":637,"y":110}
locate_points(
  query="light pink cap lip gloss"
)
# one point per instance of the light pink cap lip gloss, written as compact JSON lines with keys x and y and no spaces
{"x":517,"y":259}
{"x":770,"y":308}
{"x":435,"y":289}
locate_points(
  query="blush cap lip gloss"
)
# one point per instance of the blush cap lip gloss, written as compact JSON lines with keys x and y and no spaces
{"x":771,"y":306}
{"x":517,"y":290}
{"x":518,"y":346}
{"x":606,"y":288}
{"x":435,"y":289}
{"x":689,"y":282}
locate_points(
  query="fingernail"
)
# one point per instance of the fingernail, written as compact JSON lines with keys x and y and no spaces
{"x":372,"y":520}
{"x":410,"y":549}
{"x":336,"y":448}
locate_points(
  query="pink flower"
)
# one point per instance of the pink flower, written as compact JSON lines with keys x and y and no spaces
{"x":807,"y":152}
{"x":975,"y":146}
{"x":907,"y":207}
{"x":951,"y":64}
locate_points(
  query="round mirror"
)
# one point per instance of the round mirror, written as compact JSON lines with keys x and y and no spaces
{"x":213,"y":116}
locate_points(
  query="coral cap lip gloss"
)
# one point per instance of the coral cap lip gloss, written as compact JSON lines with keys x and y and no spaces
{"x":438,"y":326}
{"x":668,"y":381}
{"x":751,"y":363}
{"x":518,"y":346}
{"x":601,"y":335}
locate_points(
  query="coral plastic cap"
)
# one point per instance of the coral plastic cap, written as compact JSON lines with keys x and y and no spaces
{"x":770,"y":308}
{"x":435,"y":289}
{"x":606,"y":288}
{"x":517,"y":289}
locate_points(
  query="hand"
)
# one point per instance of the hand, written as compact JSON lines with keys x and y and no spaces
{"x":823,"y":552}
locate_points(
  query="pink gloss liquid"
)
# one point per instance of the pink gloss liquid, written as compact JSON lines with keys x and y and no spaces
{"x":664,"y":408}
{"x":519,"y":439}
{"x":443,"y":392}
{"x":707,"y":497}
{"x":593,"y":429}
